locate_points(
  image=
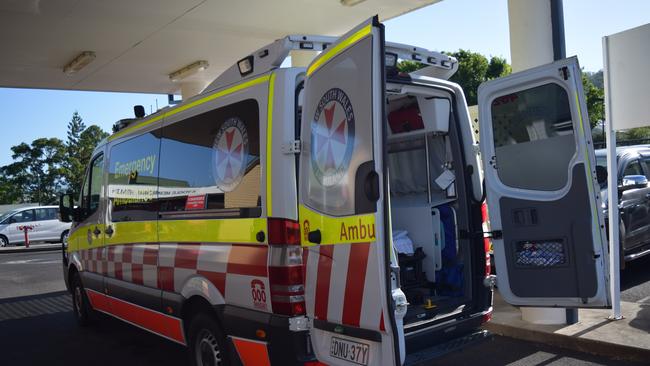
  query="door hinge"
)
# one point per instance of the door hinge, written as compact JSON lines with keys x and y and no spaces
{"x":494,"y":234}
{"x":292,"y":147}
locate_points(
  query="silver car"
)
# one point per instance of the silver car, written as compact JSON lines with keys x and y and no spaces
{"x":43,"y":220}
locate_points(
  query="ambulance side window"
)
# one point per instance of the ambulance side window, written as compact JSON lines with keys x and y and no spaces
{"x":211,"y":162}
{"x":133,"y":178}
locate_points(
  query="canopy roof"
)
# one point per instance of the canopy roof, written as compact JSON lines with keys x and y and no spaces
{"x":139,"y":43}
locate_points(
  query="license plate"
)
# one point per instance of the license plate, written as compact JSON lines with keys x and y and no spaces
{"x":344,"y":349}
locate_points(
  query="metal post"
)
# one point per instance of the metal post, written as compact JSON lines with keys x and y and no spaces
{"x":612,"y":194}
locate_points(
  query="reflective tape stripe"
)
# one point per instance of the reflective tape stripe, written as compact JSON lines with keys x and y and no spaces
{"x":337,"y":230}
{"x":590,"y":177}
{"x":158,"y":323}
{"x":269,"y":150}
{"x":211,"y":231}
{"x":181,"y":108}
{"x":251,"y":353}
{"x":329,"y":54}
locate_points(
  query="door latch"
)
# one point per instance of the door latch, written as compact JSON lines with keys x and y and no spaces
{"x":291,"y":148}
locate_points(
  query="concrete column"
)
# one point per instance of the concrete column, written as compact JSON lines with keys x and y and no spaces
{"x":531,"y":34}
{"x":191,"y":88}
{"x":531,"y":45}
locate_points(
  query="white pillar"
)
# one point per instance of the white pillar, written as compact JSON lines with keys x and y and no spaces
{"x":191,"y":88}
{"x":531,"y":34}
{"x":531,"y":44}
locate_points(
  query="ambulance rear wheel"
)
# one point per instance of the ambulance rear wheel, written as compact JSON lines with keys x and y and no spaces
{"x":206,"y":342}
{"x":80,"y":305}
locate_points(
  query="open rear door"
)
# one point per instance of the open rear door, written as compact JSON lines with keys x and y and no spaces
{"x":544,"y":203}
{"x":341,"y":211}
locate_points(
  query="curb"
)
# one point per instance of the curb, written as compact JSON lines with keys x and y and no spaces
{"x":33,"y":248}
{"x":592,"y":346}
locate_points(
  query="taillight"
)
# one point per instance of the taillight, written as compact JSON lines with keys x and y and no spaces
{"x":285,"y":267}
{"x":284,"y":232}
{"x":487,"y":244}
{"x":486,"y":317}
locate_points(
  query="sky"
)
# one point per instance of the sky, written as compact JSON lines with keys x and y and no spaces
{"x":477,"y":25}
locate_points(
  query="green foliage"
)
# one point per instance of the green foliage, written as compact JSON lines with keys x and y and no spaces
{"x":595,"y":100}
{"x":36,"y":175}
{"x":48,"y":166}
{"x":639,"y":133}
{"x":474,"y":69}
{"x":409,"y":66}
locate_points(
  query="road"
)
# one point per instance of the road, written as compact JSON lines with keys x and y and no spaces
{"x":37,"y":327}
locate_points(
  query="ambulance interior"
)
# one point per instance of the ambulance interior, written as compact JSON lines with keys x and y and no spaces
{"x":434,"y":265}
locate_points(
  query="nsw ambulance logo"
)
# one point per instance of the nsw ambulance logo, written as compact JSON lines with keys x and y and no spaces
{"x":230,"y":154}
{"x":332,"y":137}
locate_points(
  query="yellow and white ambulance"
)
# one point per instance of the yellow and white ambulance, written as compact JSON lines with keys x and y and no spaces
{"x":332,"y":214}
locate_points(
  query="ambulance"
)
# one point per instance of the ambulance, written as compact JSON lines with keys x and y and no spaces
{"x":331,"y":214}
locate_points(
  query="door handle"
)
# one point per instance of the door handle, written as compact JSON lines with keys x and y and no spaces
{"x":109,"y":230}
{"x":97,"y":231}
{"x":314,"y":236}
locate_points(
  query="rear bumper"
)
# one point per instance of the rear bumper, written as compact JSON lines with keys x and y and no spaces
{"x":283,"y":346}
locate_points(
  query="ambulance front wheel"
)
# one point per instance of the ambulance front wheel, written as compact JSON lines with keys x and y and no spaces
{"x":80,"y":305}
{"x":206,"y":342}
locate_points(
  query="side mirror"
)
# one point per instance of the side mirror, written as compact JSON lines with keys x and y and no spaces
{"x":66,"y":207}
{"x":633,"y":181}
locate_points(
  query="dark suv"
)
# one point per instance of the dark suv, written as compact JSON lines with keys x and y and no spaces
{"x":634,"y":197}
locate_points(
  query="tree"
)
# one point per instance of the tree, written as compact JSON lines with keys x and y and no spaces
{"x":74,"y":163}
{"x":595,"y":100}
{"x":36,"y":175}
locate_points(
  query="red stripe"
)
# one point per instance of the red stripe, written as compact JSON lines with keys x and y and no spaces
{"x":355,"y":283}
{"x":381,"y":322}
{"x":127,"y":254}
{"x":166,"y":278}
{"x":251,"y":353}
{"x":323,"y":281}
{"x":218,"y":279}
{"x":153,"y":321}
{"x":111,"y":253}
{"x":136,"y":274}
{"x":248,"y":260}
{"x":186,"y":256}
{"x":98,"y":301}
{"x":118,"y":270}
{"x":150,"y":256}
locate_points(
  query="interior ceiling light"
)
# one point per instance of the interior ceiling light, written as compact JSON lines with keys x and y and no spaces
{"x":79,"y":62}
{"x":351,"y":2}
{"x":188,"y":70}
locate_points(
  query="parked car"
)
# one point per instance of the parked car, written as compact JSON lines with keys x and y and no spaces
{"x":634,"y":198}
{"x":44,"y":222}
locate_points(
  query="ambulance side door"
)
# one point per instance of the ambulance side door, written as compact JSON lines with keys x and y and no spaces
{"x":341,"y":208}
{"x":544,"y":202}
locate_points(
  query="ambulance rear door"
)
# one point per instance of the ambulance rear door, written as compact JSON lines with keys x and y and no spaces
{"x":543,"y":197}
{"x":342,"y":200}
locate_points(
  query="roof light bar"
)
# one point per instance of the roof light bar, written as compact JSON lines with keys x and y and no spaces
{"x":79,"y":62}
{"x":188,"y":70}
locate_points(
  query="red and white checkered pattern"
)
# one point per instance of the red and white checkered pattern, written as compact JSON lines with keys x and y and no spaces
{"x":232,"y":268}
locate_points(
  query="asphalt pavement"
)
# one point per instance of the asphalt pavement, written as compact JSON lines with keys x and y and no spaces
{"x":37,"y":327}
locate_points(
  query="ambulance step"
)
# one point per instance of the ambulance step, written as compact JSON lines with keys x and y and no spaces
{"x":428,"y":354}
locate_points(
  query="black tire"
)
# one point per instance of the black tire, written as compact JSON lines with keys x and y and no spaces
{"x":4,"y":242}
{"x":82,"y":311}
{"x":64,"y":236}
{"x":206,"y":342}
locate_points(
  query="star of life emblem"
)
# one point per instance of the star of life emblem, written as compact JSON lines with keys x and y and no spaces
{"x":332,"y":137}
{"x":230,"y":154}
